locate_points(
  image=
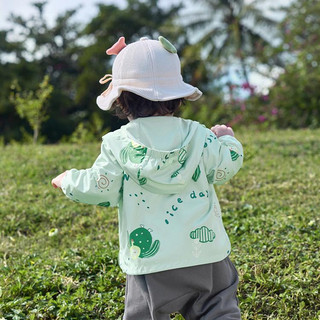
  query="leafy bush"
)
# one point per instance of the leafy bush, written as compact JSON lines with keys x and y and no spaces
{"x":209,"y":110}
{"x":30,"y":105}
{"x":89,"y":131}
{"x":296,"y":93}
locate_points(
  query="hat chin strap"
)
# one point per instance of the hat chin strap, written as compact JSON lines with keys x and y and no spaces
{"x":105,"y":79}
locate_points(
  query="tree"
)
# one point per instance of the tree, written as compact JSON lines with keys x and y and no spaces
{"x":41,"y":49}
{"x":231,"y":31}
{"x":8,"y":71}
{"x":137,"y":19}
{"x":30,"y":105}
{"x":74,"y":57}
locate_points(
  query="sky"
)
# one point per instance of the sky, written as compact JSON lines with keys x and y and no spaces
{"x":52,"y":10}
{"x":88,"y":9}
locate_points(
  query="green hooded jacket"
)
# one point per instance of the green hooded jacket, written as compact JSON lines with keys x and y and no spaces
{"x":161,"y":172}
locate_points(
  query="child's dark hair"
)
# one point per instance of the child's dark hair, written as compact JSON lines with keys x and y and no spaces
{"x":131,"y":105}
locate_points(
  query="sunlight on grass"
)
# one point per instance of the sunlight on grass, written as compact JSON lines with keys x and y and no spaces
{"x":58,"y":259}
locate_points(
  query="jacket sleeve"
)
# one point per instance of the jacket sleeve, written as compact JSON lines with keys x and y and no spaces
{"x":100,"y":185}
{"x":223,"y":158}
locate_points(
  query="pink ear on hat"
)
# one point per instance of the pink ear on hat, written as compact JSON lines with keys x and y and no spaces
{"x":117,"y":47}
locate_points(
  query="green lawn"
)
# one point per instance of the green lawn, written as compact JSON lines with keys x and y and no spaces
{"x":271,"y":213}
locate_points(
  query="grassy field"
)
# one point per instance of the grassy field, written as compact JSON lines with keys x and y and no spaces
{"x":58,"y":259}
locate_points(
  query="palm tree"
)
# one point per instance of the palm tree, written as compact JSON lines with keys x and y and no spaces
{"x":231,"y":31}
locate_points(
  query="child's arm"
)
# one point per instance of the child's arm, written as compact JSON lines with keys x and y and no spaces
{"x":223,"y":154}
{"x":100,"y":184}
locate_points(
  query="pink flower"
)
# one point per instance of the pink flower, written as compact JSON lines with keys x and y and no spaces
{"x":246,"y":85}
{"x":243,"y":107}
{"x":262,"y":118}
{"x":265,"y":98}
{"x":274,"y":111}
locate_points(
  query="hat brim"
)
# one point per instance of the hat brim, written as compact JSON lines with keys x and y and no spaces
{"x":164,"y":93}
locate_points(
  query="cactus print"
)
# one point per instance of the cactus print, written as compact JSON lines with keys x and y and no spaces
{"x":141,"y":180}
{"x":133,"y":152}
{"x":141,"y":244}
{"x":210,"y":177}
{"x":196,"y":174}
{"x":104,"y":204}
{"x":234,"y":155}
{"x":204,"y":234}
{"x":182,"y":157}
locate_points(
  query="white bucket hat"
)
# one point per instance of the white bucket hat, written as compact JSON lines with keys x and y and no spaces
{"x":148,"y":68}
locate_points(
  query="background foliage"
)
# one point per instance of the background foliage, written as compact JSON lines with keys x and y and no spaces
{"x":221,"y":44}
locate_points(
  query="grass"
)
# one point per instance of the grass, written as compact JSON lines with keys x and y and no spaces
{"x":271,"y":213}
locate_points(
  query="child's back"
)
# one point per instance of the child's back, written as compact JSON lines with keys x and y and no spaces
{"x":160,"y":171}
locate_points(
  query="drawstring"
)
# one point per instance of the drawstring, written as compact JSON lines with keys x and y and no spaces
{"x":105,"y":79}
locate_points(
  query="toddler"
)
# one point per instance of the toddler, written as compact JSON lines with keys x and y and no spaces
{"x":160,"y":170}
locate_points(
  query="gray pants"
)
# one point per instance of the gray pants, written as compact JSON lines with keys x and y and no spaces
{"x":201,"y":292}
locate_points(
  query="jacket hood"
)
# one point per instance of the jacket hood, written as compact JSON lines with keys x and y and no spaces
{"x":160,"y":153}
